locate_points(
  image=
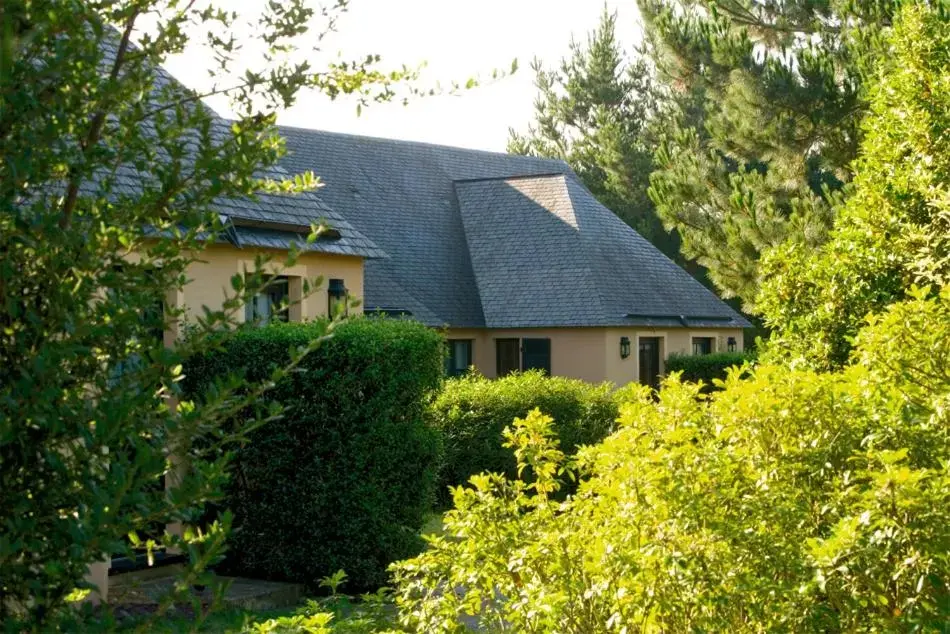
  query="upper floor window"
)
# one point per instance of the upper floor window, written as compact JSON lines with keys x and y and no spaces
{"x":271,"y":304}
{"x":702,"y":345}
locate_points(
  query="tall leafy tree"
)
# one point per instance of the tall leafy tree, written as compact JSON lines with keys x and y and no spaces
{"x":791,"y":500}
{"x":108,"y":186}
{"x":594,"y":112}
{"x":893,"y":233}
{"x":769,"y":99}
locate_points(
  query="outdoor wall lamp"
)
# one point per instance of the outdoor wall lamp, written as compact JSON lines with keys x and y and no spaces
{"x":731,"y":343}
{"x":337,"y":294}
{"x":624,"y":347}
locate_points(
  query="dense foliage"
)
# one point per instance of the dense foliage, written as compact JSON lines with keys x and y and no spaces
{"x":768,"y":98}
{"x":471,"y":412}
{"x":594,"y":112}
{"x":789,"y":501}
{"x":706,"y":367}
{"x":107,"y":187}
{"x":894,"y":230}
{"x":794,"y":499}
{"x":344,"y":478}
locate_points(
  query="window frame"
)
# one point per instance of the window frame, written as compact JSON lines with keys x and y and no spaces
{"x":545,"y":365}
{"x":697,"y":340}
{"x":523,"y":355}
{"x":499,"y":372}
{"x":451,"y":360}
{"x":284,"y":315}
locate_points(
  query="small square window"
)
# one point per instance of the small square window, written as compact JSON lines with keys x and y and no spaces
{"x":702,"y":345}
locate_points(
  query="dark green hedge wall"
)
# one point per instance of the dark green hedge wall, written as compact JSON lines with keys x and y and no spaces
{"x":706,"y":367}
{"x":345,"y":478}
{"x":472,"y":411}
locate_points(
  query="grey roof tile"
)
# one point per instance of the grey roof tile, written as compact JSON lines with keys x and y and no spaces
{"x":294,"y":213}
{"x":488,"y":239}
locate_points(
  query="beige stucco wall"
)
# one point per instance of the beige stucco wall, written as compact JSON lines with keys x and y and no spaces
{"x":672,"y":341}
{"x":210,"y":279}
{"x":592,"y":354}
{"x":575,"y":352}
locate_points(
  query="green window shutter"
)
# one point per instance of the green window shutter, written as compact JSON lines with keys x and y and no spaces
{"x":536,"y":355}
{"x":507,"y":356}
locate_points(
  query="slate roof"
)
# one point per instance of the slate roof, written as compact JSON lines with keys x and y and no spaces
{"x":265,"y":220}
{"x":483,"y":239}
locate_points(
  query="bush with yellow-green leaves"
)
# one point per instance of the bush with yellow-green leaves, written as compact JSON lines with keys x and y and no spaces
{"x":810,"y":493}
{"x":791,"y":500}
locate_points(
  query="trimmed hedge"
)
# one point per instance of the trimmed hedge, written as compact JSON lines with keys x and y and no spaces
{"x":345,"y":478}
{"x":471,"y":411}
{"x":706,"y":367}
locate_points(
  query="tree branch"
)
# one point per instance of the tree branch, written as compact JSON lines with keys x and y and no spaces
{"x":95,"y":127}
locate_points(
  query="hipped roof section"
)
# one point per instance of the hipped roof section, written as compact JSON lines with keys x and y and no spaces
{"x":483,"y":239}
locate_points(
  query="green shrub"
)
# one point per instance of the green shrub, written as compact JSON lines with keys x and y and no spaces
{"x":789,"y":501}
{"x":471,"y":411}
{"x":345,"y":478}
{"x":706,"y":367}
{"x":796,"y":499}
{"x":113,"y":182}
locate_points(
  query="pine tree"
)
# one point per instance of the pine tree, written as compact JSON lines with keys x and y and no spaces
{"x":893,"y":233}
{"x":769,"y":97}
{"x":595,"y":112}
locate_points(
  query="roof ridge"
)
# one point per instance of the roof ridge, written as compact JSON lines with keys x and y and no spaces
{"x":462,"y":181}
{"x":444,"y":146}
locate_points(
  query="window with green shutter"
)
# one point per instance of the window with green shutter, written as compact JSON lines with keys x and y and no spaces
{"x":702,"y":345}
{"x":507,"y":356}
{"x":271,"y":304}
{"x":536,"y":355}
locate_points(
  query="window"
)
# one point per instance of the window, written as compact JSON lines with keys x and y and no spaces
{"x":271,"y":304}
{"x":460,"y":357}
{"x":512,"y":355}
{"x":507,"y":356}
{"x":536,"y":355}
{"x":702,"y":345}
{"x":338,"y":299}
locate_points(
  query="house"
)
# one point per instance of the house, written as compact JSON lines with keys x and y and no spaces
{"x":510,"y":255}
{"x":514,"y":257}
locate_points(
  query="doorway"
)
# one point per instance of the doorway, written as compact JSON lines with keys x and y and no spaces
{"x":650,"y":361}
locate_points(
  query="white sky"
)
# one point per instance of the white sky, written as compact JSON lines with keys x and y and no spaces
{"x":458,"y":40}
